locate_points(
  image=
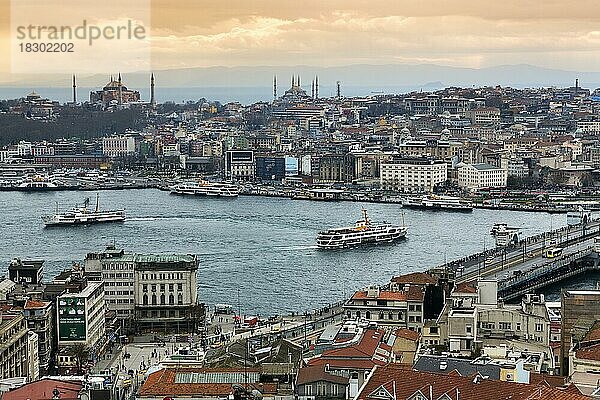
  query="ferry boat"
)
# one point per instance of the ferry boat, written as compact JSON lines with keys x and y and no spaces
{"x":364,"y":232}
{"x":83,"y":215}
{"x":430,"y":202}
{"x":506,"y":235}
{"x":206,"y":188}
{"x":38,"y":182}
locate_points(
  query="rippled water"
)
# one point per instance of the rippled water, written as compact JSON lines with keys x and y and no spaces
{"x":259,"y":249}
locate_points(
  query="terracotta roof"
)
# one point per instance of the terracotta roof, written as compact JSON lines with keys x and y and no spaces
{"x":465,"y":288}
{"x":42,"y":390}
{"x":383,"y":295}
{"x":417,"y":278}
{"x":345,"y":363}
{"x":393,"y":382}
{"x":365,"y":349}
{"x":407,"y":334}
{"x":35,"y":304}
{"x":552,"y":380}
{"x":317,"y":373}
{"x":589,"y":353}
{"x":162,"y":383}
{"x":593,"y":334}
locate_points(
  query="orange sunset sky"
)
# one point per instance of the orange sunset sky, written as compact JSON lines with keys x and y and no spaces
{"x":466,"y":33}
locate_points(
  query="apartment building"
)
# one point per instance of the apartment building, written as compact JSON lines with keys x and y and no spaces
{"x":481,"y":176}
{"x":413,"y":174}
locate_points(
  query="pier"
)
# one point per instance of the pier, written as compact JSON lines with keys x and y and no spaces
{"x":528,"y":265}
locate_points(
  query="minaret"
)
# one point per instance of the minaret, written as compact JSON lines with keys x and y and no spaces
{"x":152,"y":98}
{"x":293,"y":82}
{"x":120,"y":90}
{"x":274,"y":87}
{"x":339,"y":91}
{"x":317,"y":87}
{"x":576,"y":86}
{"x":312,"y":89}
{"x":298,"y":84}
{"x":74,"y":90}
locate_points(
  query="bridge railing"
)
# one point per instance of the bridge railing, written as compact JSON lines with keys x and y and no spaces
{"x":540,"y":271}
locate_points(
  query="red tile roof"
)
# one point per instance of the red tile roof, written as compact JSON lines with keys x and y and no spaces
{"x":465,"y":288}
{"x":593,"y":334}
{"x":589,"y":353}
{"x":400,"y":383}
{"x":417,"y":278}
{"x":162,"y":383}
{"x":42,"y":390}
{"x":29,"y":304}
{"x":365,"y":349}
{"x":317,"y":373}
{"x":344,"y":363}
{"x":407,"y":334}
{"x":383,"y":295}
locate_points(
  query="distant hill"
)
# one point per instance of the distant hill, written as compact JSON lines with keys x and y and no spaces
{"x":378,"y":76}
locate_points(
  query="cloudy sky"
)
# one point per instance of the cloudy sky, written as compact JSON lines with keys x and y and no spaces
{"x":195,"y":33}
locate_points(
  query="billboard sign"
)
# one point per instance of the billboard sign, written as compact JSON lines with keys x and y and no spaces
{"x":71,"y":319}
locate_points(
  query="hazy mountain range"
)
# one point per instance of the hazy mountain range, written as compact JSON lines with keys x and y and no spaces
{"x":378,"y":77}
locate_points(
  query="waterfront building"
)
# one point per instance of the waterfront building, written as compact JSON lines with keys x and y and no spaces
{"x":148,"y":291}
{"x":40,"y":320}
{"x":413,"y":174}
{"x":474,"y":177}
{"x":80,"y":318}
{"x":118,"y":146}
{"x":240,"y":165}
{"x":338,"y":167}
{"x":388,"y":308}
{"x":270,"y":168}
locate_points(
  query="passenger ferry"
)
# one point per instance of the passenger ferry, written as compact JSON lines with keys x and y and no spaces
{"x":38,"y":182}
{"x":364,"y":232}
{"x":431,"y":202}
{"x":206,"y":188}
{"x":83,"y":215}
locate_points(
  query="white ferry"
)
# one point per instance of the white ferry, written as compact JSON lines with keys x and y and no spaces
{"x":432,"y":202}
{"x":364,"y":232}
{"x":38,"y":182}
{"x":83,"y":215}
{"x":206,"y":188}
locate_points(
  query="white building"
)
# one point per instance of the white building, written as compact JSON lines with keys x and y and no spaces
{"x":154,"y":290}
{"x":80,"y":316}
{"x":413,"y":174}
{"x":480,"y":176}
{"x":116,"y":146}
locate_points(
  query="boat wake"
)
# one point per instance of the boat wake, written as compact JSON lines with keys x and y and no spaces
{"x":296,"y":248}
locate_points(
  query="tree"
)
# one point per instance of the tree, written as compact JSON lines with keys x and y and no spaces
{"x":81,"y":354}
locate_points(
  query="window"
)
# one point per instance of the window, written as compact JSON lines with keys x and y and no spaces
{"x":180,"y":299}
{"x":171,"y":299}
{"x":144,"y":287}
{"x":468,"y":328}
{"x":162,"y":287}
{"x":153,"y":299}
{"x":162,"y":298}
{"x":145,"y":299}
{"x":368,"y":315}
{"x":308,"y":389}
{"x":539,"y":327}
{"x":171,"y":287}
{"x":506,"y":326}
{"x":154,"y":288}
{"x":180,"y":286}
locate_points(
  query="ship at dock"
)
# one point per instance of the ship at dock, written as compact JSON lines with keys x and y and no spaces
{"x":206,"y":188}
{"x":364,"y":232}
{"x":83,"y":215}
{"x":445,"y":203}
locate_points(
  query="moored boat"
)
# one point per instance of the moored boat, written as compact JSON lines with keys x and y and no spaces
{"x":431,"y":202}
{"x":206,"y":188}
